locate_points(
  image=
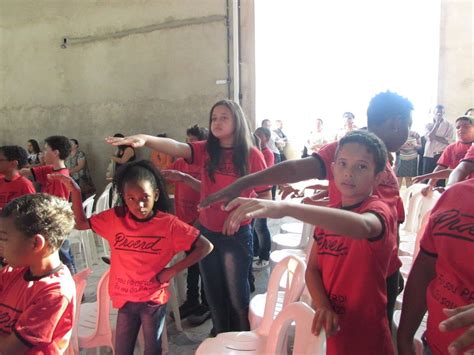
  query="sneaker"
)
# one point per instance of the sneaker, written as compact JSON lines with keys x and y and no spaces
{"x":187,"y":308}
{"x":200,"y":315}
{"x":260,"y":264}
{"x":106,"y":259}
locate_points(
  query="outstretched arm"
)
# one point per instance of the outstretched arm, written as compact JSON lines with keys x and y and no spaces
{"x":357,"y":226}
{"x":289,"y":171}
{"x":437,"y":174}
{"x":82,"y":222}
{"x":164,"y":145}
{"x":461,"y":172}
{"x":179,"y":176}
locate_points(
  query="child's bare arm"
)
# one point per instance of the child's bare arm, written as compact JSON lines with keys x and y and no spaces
{"x":414,"y":301}
{"x":325,"y":316}
{"x":179,"y":176}
{"x":11,"y":345}
{"x":201,"y":248}
{"x":81,"y":220}
{"x":351,"y":224}
{"x":164,"y":145}
{"x":26,"y":172}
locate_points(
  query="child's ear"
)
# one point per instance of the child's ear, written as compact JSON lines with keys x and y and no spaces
{"x":39,"y":242}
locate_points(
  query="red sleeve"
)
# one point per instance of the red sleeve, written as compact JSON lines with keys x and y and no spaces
{"x":269,"y":157}
{"x":257,"y":163}
{"x":326,"y":155}
{"x":382,"y":211}
{"x":469,"y":155}
{"x":28,"y":187}
{"x":39,"y":321}
{"x":183,"y":235}
{"x":198,"y":152}
{"x":104,"y":223}
{"x":40,"y":173}
{"x":445,"y":159}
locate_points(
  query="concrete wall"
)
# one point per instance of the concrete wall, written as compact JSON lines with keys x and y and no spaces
{"x":128,"y":66}
{"x":456,"y":59}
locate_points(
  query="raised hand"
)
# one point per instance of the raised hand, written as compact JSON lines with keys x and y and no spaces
{"x":249,"y":208}
{"x":287,"y":190}
{"x":136,"y":141}
{"x":225,"y":195}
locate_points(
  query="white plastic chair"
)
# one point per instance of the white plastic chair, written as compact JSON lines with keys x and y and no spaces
{"x":80,"y":279}
{"x":103,"y":204}
{"x":94,"y":321}
{"x":265,"y":307}
{"x":306,"y":238}
{"x":78,"y":247}
{"x":292,"y":227}
{"x":255,"y":342}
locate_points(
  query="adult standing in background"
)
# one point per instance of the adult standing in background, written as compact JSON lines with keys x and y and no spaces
{"x":123,"y":154}
{"x":349,"y":125}
{"x":407,"y":166}
{"x":440,"y":133}
{"x":34,"y":153}
{"x":77,"y":165}
{"x":283,"y":138}
{"x":317,"y":138}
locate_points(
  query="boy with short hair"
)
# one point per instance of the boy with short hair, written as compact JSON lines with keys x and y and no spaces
{"x":13,"y":185}
{"x":349,"y":261}
{"x":442,"y":277}
{"x":56,"y":150}
{"x":37,"y":292}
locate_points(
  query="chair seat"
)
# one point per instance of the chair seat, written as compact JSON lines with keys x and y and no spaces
{"x":233,"y":343}
{"x":293,"y":227}
{"x":407,"y":236}
{"x":278,"y":255}
{"x":286,"y":241}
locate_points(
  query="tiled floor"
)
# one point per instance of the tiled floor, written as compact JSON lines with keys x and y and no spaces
{"x":186,"y":341}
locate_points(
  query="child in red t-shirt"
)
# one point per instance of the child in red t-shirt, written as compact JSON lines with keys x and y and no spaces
{"x":227,"y":154}
{"x":143,"y":238}
{"x":442,"y":278}
{"x":186,"y":199}
{"x":37,"y":292}
{"x":12,"y":184}
{"x":453,"y":153}
{"x":349,"y":260}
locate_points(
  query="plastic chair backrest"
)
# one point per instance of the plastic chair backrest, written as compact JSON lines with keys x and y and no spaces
{"x":80,"y":279}
{"x":411,"y":215}
{"x":103,"y":200}
{"x":306,"y":234}
{"x":294,"y":269}
{"x":88,"y":205}
{"x":103,"y":305}
{"x":305,"y":342}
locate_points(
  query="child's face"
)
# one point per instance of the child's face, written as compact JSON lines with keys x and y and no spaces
{"x":29,"y":147}
{"x":17,"y":248}
{"x":49,"y":155}
{"x":190,"y":138}
{"x":263,"y":139}
{"x":465,"y":131}
{"x":140,"y":198}
{"x":222,"y":124}
{"x":354,"y":172}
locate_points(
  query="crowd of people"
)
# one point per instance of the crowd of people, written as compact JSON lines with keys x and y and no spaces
{"x":225,"y":182}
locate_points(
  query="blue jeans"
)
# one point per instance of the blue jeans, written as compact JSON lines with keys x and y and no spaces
{"x":264,"y":238}
{"x":225,"y":274}
{"x":133,"y":315}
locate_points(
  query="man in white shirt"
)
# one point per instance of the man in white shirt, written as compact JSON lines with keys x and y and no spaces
{"x":439,"y":135}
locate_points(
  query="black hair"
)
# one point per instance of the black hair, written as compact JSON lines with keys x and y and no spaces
{"x":374,"y":146}
{"x":35,"y":145}
{"x":122,"y":147}
{"x":162,"y":135}
{"x":348,"y":114}
{"x":465,"y":118}
{"x":76,"y":142}
{"x":14,"y":152}
{"x":43,"y":214}
{"x":467,"y":113}
{"x":387,"y":105}
{"x":61,"y":144}
{"x":242,"y":141}
{"x":265,"y":131}
{"x":143,"y":170}
{"x":200,"y":132}
{"x":265,"y":120}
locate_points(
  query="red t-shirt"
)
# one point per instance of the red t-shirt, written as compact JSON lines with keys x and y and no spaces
{"x":268,"y":156}
{"x":354,"y":274}
{"x":449,"y":236}
{"x":186,"y":199}
{"x":11,"y":189}
{"x":40,"y":311}
{"x":387,"y":190}
{"x":139,"y":251}
{"x":52,"y":187}
{"x":453,"y":154}
{"x":470,"y":154}
{"x":213,"y":217}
